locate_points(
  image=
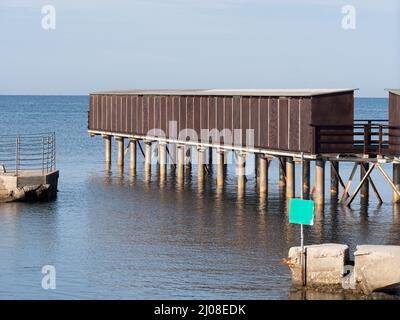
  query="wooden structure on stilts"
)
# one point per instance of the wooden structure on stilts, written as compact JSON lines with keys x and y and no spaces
{"x":183,"y":127}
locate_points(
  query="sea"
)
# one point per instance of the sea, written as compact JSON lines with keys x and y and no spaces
{"x":111,"y":235}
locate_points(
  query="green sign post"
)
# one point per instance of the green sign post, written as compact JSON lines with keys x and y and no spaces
{"x":302,"y":212}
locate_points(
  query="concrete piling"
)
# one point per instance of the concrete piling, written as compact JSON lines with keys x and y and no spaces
{"x":263,"y":162}
{"x":334,"y":179}
{"x":172,"y":156}
{"x":241,"y":170}
{"x":220,"y":167}
{"x":319,"y":197}
{"x":290,"y":178}
{"x":120,"y":148}
{"x":200,"y":163}
{"x":306,"y":179}
{"x":180,"y":160}
{"x":107,"y":148}
{"x":147,"y":157}
{"x":396,"y":181}
{"x":132,"y":145}
{"x":188,"y":158}
{"x":162,"y":158}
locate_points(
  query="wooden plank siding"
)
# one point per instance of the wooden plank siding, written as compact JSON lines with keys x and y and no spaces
{"x":278,"y":123}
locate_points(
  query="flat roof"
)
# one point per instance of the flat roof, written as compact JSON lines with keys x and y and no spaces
{"x":394,"y":91}
{"x":230,"y":92}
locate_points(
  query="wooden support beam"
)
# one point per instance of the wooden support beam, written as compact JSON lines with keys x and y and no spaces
{"x":365,"y":177}
{"x":395,"y":189}
{"x":282,"y":172}
{"x":396,"y":181}
{"x":346,"y":189}
{"x":334,"y":179}
{"x":335,"y":171}
{"x":374,"y":188}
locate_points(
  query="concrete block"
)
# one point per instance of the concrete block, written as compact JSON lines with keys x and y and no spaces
{"x":324,"y":264}
{"x":377,"y":267}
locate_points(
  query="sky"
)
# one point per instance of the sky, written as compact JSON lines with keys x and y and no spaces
{"x":124,"y":44}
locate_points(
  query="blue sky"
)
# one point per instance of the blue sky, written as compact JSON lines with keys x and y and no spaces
{"x":121,"y":44}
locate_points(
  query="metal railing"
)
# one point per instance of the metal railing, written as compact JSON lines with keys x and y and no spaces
{"x":374,"y":137}
{"x":25,"y":153}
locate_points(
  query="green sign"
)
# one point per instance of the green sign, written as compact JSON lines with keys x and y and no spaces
{"x":301,"y":211}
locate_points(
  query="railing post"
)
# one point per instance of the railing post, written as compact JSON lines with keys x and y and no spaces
{"x":17,"y":156}
{"x":380,"y":140}
{"x":42,"y":155}
{"x":365,"y":151}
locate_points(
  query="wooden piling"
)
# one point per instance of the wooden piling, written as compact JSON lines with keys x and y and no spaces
{"x":396,"y":181}
{"x":290,"y":178}
{"x":306,"y":179}
{"x":319,"y":197}
{"x":334,"y":179}
{"x":120,"y":148}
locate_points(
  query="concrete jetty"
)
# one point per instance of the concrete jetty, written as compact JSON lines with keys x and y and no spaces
{"x":327,"y":268}
{"x":28,"y":168}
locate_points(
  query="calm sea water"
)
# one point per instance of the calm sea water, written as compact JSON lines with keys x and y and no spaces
{"x":110,"y":235}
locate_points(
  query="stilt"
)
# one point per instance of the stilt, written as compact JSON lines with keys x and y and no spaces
{"x":132,"y":144}
{"x":290,"y":178}
{"x":364,"y":191}
{"x":200,"y":163}
{"x":334,"y":179}
{"x":210,"y":157}
{"x":188,"y":158}
{"x":256,"y":160}
{"x":263,"y":174}
{"x":147,"y":157}
{"x":282,"y":172}
{"x":306,"y":179}
{"x":120,"y":147}
{"x":320,"y":182}
{"x":241,"y":170}
{"x":172,"y":156}
{"x":181,"y":159}
{"x":396,"y":181}
{"x":107,"y":148}
{"x":220,"y":167}
{"x":162,"y":158}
